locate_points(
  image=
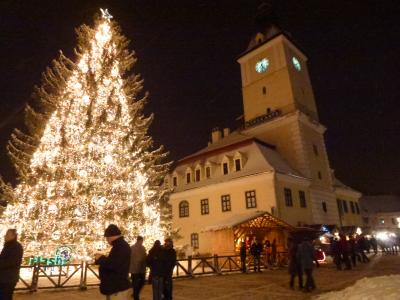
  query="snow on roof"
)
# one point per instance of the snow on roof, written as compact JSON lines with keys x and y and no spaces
{"x":339,"y":184}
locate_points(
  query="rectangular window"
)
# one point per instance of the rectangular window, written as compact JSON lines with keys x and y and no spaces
{"x":187,"y":177}
{"x":319,"y":175}
{"x":288,"y":197}
{"x":394,"y":221}
{"x":315,"y":149}
{"x":197,"y":175}
{"x":225,"y":168}
{"x":382,"y":221}
{"x":208,"y":172}
{"x":339,"y":206}
{"x":204,"y":207}
{"x":324,"y":208}
{"x":357,"y":208}
{"x":226,"y":202}
{"x":237,"y":165}
{"x":353,"y":209}
{"x":175,"y":181}
{"x":251,"y":201}
{"x":194,"y":240}
{"x":302,"y":197}
{"x":345,"y":208}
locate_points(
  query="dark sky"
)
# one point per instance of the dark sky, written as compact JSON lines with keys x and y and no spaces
{"x":187,"y":55}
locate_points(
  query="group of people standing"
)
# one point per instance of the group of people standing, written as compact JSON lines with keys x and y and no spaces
{"x":346,"y":252}
{"x":301,"y":261}
{"x":114,"y":269}
{"x":255,"y":248}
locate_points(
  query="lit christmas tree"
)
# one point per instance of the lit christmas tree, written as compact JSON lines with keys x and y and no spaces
{"x":86,"y":160}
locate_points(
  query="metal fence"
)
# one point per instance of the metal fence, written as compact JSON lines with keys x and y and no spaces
{"x":83,"y":275}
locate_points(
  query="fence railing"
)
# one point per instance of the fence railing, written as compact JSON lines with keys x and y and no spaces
{"x":83,"y":275}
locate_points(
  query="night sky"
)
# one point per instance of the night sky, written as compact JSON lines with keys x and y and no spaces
{"x":187,"y":54}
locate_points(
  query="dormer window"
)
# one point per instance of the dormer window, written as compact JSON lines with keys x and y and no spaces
{"x":197,"y":175}
{"x":175,"y":181}
{"x":238,"y":164}
{"x":188,"y":178}
{"x":208,"y":172}
{"x":225,"y":168}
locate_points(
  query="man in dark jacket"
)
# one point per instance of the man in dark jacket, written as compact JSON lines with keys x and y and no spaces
{"x":114,"y":268}
{"x":10,"y":262}
{"x":255,"y":250}
{"x":243,"y":254}
{"x":305,"y":256}
{"x":169,"y":265}
{"x":155,"y":261}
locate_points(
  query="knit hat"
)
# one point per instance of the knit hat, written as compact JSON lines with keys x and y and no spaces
{"x":112,"y":230}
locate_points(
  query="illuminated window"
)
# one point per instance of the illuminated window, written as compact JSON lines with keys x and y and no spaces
{"x":183,"y":209}
{"x":204,"y":207}
{"x":302,"y":197}
{"x":226,"y":202}
{"x":382,"y":221}
{"x":288,"y":197}
{"x":251,"y":201}
{"x":296,"y":63}
{"x":194,"y":240}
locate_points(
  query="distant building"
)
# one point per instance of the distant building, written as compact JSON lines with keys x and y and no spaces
{"x":276,"y":163}
{"x":381,"y":212}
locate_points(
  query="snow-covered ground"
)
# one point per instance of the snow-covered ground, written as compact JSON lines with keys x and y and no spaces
{"x":371,"y":288}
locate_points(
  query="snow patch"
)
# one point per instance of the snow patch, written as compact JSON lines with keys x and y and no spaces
{"x":372,"y":288}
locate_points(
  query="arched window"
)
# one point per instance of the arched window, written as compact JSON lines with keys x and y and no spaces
{"x":183,"y":209}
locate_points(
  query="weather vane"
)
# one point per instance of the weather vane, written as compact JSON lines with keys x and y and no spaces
{"x":105,"y":14}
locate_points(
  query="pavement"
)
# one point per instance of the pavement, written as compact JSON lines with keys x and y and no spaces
{"x":270,"y":284}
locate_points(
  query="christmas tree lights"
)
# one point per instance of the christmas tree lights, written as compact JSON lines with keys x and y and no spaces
{"x":86,"y":159}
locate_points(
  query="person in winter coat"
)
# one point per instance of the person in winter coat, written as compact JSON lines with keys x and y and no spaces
{"x":354,"y":253}
{"x":294,"y":265}
{"x":345,"y":250}
{"x":336,"y":253}
{"x":10,"y":263}
{"x":273,"y":252}
{"x":155,"y":261}
{"x":255,"y":250}
{"x":114,"y":268}
{"x":267,"y":249}
{"x":243,"y":255}
{"x":138,"y":267}
{"x":169,"y":257}
{"x":305,"y":255}
{"x":362,"y":245}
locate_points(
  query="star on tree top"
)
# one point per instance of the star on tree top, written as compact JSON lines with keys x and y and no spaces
{"x":105,"y":14}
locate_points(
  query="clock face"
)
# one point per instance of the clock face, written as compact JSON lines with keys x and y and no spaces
{"x":262,"y":65}
{"x":296,"y":63}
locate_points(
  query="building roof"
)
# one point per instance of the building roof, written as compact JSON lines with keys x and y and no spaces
{"x":380,"y":203}
{"x":259,"y":158}
{"x":339,"y":184}
{"x":255,"y":219}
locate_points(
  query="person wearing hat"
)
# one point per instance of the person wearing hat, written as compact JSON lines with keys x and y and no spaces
{"x":114,"y":268}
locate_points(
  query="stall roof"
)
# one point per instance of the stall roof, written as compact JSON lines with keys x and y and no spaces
{"x":258,"y":219}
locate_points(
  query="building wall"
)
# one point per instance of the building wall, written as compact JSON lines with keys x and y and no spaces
{"x":349,"y":218}
{"x":383,"y":221}
{"x":294,"y":215}
{"x":262,"y":183}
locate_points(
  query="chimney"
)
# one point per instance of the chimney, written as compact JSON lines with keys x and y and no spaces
{"x":216,"y":135}
{"x":227,"y":131}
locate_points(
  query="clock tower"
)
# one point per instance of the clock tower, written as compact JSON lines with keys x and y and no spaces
{"x":280,"y":109}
